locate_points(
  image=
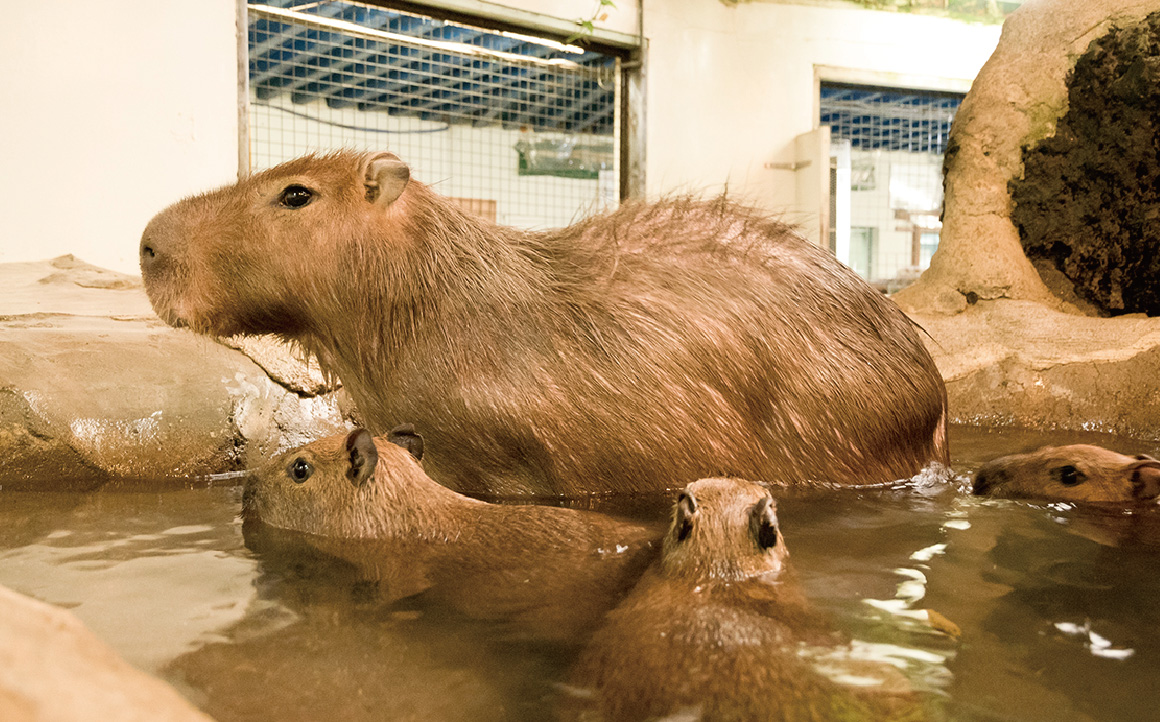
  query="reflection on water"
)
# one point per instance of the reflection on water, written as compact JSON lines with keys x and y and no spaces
{"x":997,"y":610}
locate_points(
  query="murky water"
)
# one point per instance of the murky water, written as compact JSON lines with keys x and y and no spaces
{"x":1057,"y":606}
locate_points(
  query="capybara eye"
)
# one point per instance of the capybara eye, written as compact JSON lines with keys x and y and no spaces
{"x":296,"y":196}
{"x":1069,"y":475}
{"x":300,"y":470}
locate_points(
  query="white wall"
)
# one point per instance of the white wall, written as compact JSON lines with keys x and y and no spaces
{"x":622,"y":16}
{"x":112,"y":110}
{"x":730,"y":86}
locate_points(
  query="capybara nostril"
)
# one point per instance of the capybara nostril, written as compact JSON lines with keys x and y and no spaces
{"x":151,"y":249}
{"x":983,"y":482}
{"x":157,"y":242}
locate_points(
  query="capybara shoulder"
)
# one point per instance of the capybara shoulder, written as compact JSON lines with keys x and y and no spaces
{"x":718,"y":629}
{"x":729,"y":344}
{"x":1073,"y":473}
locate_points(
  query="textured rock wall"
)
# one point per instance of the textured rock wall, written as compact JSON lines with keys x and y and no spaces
{"x":1016,"y":101}
{"x":1088,"y":203}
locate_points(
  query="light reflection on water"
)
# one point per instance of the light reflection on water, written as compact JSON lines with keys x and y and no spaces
{"x":1056,"y":605}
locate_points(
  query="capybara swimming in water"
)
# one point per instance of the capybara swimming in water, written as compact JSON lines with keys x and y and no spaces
{"x":728,"y":344}
{"x":716,"y":629}
{"x":1079,"y":473}
{"x":552,"y":570}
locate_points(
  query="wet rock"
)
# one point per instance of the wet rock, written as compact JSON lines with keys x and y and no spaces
{"x":284,"y":364}
{"x":1024,"y":364}
{"x":94,"y":387}
{"x":53,"y":669}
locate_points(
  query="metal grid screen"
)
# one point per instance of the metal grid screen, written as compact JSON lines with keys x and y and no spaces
{"x":894,"y":141}
{"x":518,"y":129}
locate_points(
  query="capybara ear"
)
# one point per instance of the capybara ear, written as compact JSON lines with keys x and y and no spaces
{"x":1145,"y":478}
{"x":685,"y":514}
{"x":386,"y":177}
{"x":364,"y":457}
{"x":763,"y":524}
{"x":404,"y":435}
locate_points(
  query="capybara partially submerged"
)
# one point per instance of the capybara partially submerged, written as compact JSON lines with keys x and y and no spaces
{"x":717,"y":630}
{"x":550,"y":571}
{"x":728,"y":344}
{"x":1078,"y":473}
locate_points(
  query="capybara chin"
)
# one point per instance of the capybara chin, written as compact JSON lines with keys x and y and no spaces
{"x":717,"y":629}
{"x":728,"y":344}
{"x":1075,"y":473}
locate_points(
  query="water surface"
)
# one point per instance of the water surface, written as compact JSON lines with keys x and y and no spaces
{"x":1056,"y":605}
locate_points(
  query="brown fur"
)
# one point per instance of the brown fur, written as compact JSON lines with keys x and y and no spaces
{"x":1075,"y":473}
{"x":718,"y":630}
{"x":727,"y":344}
{"x":550,"y":571}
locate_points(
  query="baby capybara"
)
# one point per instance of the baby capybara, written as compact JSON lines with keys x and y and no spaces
{"x":550,"y":571}
{"x":1074,"y":473}
{"x":717,"y":629}
{"x":727,"y":343}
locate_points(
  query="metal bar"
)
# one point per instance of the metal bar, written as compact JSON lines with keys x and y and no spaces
{"x":242,"y":32}
{"x":358,"y":31}
{"x":532,"y":21}
{"x":632,"y":143}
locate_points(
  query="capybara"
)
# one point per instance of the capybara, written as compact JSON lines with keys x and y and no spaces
{"x":729,"y":344}
{"x":717,"y":629}
{"x":551,"y":571}
{"x":1074,"y":473}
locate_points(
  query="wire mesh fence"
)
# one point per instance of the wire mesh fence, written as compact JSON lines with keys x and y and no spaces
{"x":519,"y":129}
{"x":896,"y":139}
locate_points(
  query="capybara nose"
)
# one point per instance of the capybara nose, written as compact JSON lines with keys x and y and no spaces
{"x":985,"y":480}
{"x":152,"y":248}
{"x":148,"y":252}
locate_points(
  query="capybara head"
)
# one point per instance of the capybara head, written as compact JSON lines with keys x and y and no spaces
{"x":352,"y":486}
{"x":1080,"y":473}
{"x":723,"y":529}
{"x":242,"y":258}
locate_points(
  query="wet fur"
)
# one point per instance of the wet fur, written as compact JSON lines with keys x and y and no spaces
{"x":1101,"y":476}
{"x":548,"y":572}
{"x":726,"y":343}
{"x":715,"y":630}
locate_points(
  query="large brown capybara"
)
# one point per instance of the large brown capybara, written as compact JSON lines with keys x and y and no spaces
{"x":1075,"y":473}
{"x":717,"y":629}
{"x":728,"y":344}
{"x":546,"y":572}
